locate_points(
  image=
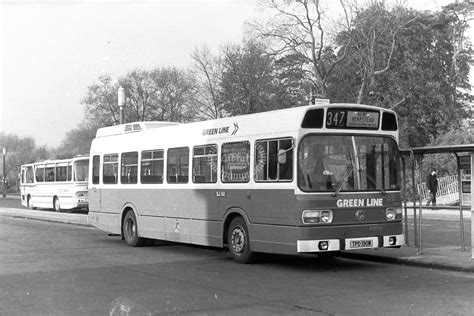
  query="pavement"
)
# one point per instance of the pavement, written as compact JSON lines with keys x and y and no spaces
{"x":441,"y":238}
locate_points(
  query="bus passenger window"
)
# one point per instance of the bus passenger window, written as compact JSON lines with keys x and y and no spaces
{"x":152,"y":166}
{"x":235,"y":162}
{"x":49,"y":173}
{"x":61,"y":173}
{"x":274,"y":160}
{"x":30,"y":178}
{"x":129,"y":169}
{"x":39,"y":174}
{"x":178,"y":165}
{"x":205,"y":164}
{"x":69,"y":172}
{"x":110,"y":169}
{"x":95,"y":169}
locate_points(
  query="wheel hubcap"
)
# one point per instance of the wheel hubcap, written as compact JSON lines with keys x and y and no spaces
{"x":238,"y":239}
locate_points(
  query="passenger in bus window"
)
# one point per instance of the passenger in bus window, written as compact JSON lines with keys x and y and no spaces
{"x":286,"y":164}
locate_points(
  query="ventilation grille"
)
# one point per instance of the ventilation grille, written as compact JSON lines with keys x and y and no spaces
{"x":132,"y":128}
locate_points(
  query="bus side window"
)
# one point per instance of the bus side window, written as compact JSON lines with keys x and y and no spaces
{"x":152,"y":166}
{"x":110,"y":169}
{"x":178,"y":165}
{"x":69,"y":172}
{"x":129,"y":173}
{"x":235,"y":162}
{"x":39,"y":173}
{"x":61,"y":173}
{"x":205,"y":164}
{"x":49,"y":173}
{"x":95,"y":169}
{"x":274,"y":160}
{"x":30,"y":177}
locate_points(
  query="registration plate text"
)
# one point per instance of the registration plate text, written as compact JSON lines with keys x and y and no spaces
{"x":361,"y":244}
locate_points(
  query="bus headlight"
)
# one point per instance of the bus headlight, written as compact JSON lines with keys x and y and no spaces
{"x":317,"y":216}
{"x":393,"y":214}
{"x":326,"y":216}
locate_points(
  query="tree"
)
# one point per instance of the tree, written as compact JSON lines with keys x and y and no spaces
{"x":424,"y":79}
{"x":459,"y":15}
{"x":246,"y":79}
{"x":206,"y":97}
{"x":161,"y":94}
{"x":417,"y":83}
{"x":173,"y":94}
{"x":252,"y":82}
{"x":446,"y":164}
{"x":100,"y":103}
{"x":20,"y":150}
{"x":298,"y":29}
{"x":76,"y":142}
{"x":371,"y":42}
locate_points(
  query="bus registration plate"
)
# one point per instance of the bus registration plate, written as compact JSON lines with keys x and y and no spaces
{"x":361,"y":243}
{"x":356,"y":243}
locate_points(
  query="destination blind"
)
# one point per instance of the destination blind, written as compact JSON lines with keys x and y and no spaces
{"x":352,"y":119}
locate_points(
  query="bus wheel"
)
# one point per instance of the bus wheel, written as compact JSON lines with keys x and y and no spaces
{"x":130,"y":231}
{"x":56,"y":204}
{"x":239,"y":242}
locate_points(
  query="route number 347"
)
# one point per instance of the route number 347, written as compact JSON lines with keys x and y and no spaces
{"x":335,"y":118}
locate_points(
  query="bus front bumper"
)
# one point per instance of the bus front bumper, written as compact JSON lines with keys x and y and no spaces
{"x":369,"y":242}
{"x":81,"y":203}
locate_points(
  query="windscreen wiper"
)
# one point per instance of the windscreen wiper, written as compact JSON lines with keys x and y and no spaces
{"x":375,"y":182}
{"x":344,"y":180}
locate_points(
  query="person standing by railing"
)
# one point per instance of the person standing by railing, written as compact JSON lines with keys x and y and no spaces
{"x":432,"y":185}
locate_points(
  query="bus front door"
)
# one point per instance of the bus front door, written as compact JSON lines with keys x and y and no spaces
{"x":94,"y":186}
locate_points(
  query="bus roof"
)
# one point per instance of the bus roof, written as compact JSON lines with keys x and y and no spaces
{"x":130,"y":127}
{"x":285,"y":121}
{"x":58,"y":161}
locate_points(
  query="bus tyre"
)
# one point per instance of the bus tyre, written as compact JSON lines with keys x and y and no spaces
{"x":130,"y":231}
{"x":239,"y":241}
{"x":56,"y":204}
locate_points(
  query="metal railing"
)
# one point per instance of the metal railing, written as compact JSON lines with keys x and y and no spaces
{"x":447,"y":186}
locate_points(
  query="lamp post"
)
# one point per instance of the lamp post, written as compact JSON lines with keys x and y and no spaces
{"x":121,"y":102}
{"x":4,"y":177}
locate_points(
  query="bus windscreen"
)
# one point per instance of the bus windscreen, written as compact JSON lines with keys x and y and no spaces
{"x":81,"y":170}
{"x":347,"y":163}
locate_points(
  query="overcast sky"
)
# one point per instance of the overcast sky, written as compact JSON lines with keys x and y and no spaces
{"x":51,"y":51}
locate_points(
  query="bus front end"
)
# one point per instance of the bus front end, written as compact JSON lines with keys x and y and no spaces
{"x":348,"y":194}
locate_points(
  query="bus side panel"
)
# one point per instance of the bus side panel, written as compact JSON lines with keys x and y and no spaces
{"x":273,"y":239}
{"x":273,"y":206}
{"x":105,"y":221}
{"x":152,"y":227}
{"x":109,"y":202}
{"x":205,"y":232}
{"x":159,"y":217}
